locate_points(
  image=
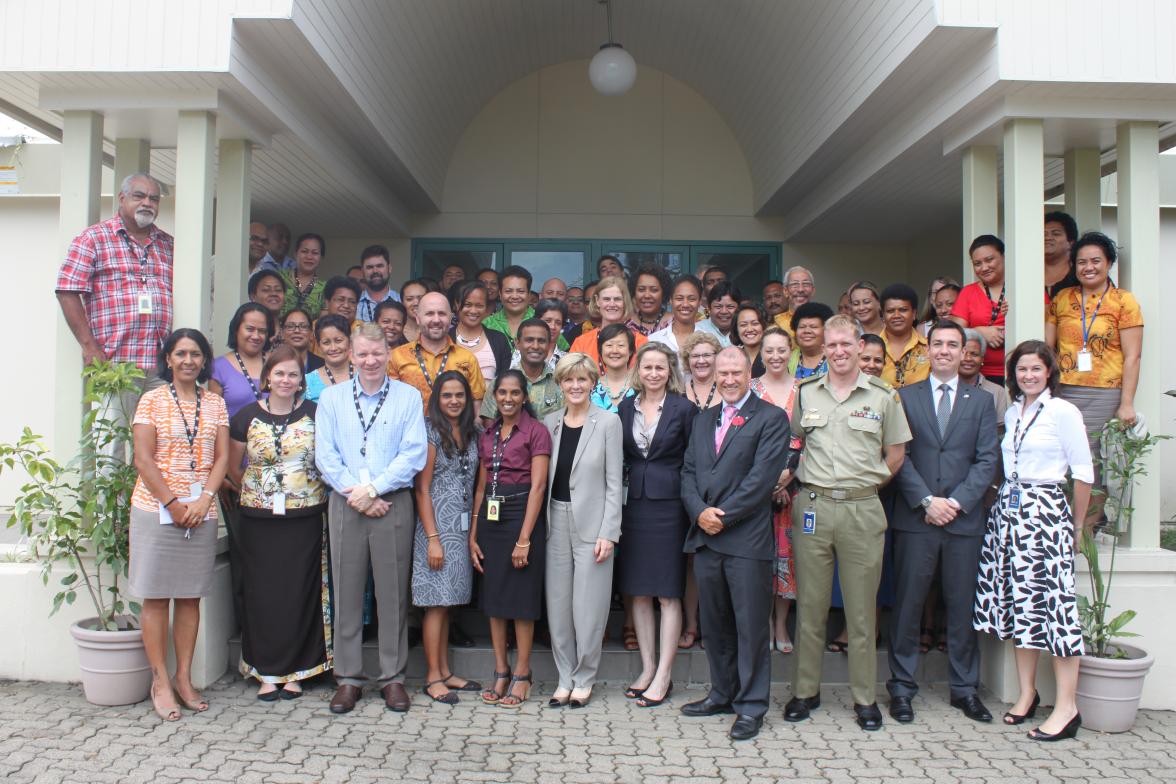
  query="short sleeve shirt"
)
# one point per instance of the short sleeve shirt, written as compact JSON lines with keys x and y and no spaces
{"x":843,"y":441}
{"x":172,"y":452}
{"x":912,"y":366}
{"x":976,"y":309}
{"x":300,"y":481}
{"x":1118,"y":311}
{"x":236,"y":388}
{"x":529,"y":439}
{"x":309,"y":298}
{"x":112,"y":271}
{"x":544,"y":395}
{"x":404,"y":366}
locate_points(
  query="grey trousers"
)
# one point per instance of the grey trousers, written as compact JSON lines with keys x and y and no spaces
{"x":578,"y":594}
{"x":385,"y":542}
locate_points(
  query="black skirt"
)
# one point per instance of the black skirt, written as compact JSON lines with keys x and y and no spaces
{"x":649,"y":556}
{"x":508,"y":592}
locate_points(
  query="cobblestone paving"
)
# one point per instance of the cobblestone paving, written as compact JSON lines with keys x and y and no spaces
{"x":48,"y":733}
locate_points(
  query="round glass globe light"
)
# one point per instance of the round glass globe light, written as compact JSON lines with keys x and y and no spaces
{"x":612,"y":70}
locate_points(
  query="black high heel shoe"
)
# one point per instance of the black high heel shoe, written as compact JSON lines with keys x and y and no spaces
{"x":1013,"y":719}
{"x":1069,"y":731}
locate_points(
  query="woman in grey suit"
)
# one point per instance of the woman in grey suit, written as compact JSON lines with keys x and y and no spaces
{"x":584,"y":523}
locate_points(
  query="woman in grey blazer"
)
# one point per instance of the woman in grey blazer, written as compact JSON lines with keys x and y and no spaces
{"x":584,"y":524}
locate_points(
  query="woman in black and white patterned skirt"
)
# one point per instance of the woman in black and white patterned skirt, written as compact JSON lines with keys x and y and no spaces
{"x":1026,"y":588}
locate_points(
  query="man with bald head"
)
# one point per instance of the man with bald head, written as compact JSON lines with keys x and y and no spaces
{"x":433,"y":352}
{"x":738,"y":451}
{"x":554,"y":288}
{"x":799,"y":288}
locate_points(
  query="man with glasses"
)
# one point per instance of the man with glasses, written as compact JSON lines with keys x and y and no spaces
{"x":258,"y":242}
{"x":577,"y":313}
{"x":800,"y":288}
{"x":277,"y":257}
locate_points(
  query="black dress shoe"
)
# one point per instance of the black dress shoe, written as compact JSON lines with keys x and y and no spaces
{"x":972,"y":707}
{"x":798,"y":708}
{"x":901,"y":710}
{"x":458,"y":637}
{"x":869,"y":718}
{"x":746,"y":727}
{"x":706,"y":707}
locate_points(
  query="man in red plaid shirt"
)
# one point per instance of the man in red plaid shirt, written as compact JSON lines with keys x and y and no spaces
{"x":115,"y":287}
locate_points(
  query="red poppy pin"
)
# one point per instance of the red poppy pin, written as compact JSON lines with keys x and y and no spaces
{"x":738,"y":421}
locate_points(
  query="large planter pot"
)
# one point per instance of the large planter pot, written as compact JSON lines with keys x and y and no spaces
{"x":1109,"y":689}
{"x":114,"y":664}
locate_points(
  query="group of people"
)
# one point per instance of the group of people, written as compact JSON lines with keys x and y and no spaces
{"x":711,"y":458}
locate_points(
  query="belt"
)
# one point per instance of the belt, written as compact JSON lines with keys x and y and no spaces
{"x":391,"y":494}
{"x":508,"y":497}
{"x":838,"y":494}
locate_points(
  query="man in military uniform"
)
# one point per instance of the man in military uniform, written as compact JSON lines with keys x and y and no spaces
{"x":854,"y":430}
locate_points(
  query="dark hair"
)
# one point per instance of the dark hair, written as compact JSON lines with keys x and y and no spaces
{"x":515,"y":271}
{"x":341,"y":282}
{"x":870,"y":339}
{"x":760,"y":314}
{"x":169,"y":346}
{"x":518,"y":376}
{"x":709,"y":270}
{"x":432,"y":285}
{"x":811,"y":310}
{"x":282,"y":353}
{"x":532,"y":322}
{"x":239,"y":316}
{"x":256,"y":278}
{"x":947,"y":324}
{"x":1068,"y":223}
{"x":545,"y":305}
{"x":413,"y":282}
{"x":331,"y":320}
{"x":986,"y":239}
{"x":491,"y":270}
{"x":1043,"y":352}
{"x":653,"y":270}
{"x":390,"y":304}
{"x":353,"y":268}
{"x":724,"y":288}
{"x":690,"y":280}
{"x":465,"y":289}
{"x":312,"y":236}
{"x":900,"y":291}
{"x":614,"y":258}
{"x":292,"y":311}
{"x":465,"y":422}
{"x":1108,"y":246}
{"x":374,"y":250}
{"x":611,"y":331}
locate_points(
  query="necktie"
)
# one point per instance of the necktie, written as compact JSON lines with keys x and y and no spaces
{"x":728,"y":414}
{"x":943,"y":410}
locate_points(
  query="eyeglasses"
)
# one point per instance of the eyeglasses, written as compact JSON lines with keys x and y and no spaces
{"x":255,"y":238}
{"x":709,"y":355}
{"x":297,"y":327}
{"x":576,"y":300}
{"x":800,"y":285}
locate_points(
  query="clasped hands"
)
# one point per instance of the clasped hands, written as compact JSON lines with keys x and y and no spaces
{"x":359,"y":500}
{"x":190,"y":515}
{"x":711,"y":520}
{"x":941,"y":512}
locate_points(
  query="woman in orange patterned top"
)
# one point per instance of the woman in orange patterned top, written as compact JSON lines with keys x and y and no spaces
{"x":181,"y":435}
{"x":1097,"y":330}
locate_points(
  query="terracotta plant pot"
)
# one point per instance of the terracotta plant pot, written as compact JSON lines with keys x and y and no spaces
{"x":114,"y":664}
{"x":1109,"y":689}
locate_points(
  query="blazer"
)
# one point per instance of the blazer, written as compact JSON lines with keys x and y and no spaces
{"x":959,"y":465}
{"x":595,"y":481}
{"x":738,"y":480}
{"x":499,"y":347}
{"x":657,"y":476}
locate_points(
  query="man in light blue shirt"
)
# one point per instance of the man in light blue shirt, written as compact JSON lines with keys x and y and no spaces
{"x":376,"y":270}
{"x":369,"y":446}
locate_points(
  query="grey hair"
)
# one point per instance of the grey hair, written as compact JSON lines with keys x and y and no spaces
{"x":971,"y":334}
{"x":125,"y":189}
{"x":799,"y":268}
{"x":732,"y":351}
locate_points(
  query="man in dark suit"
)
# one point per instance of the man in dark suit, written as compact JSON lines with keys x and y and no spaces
{"x":939,"y":521}
{"x":737,"y":451}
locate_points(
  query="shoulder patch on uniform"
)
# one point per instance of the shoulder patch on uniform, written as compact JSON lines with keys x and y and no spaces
{"x":810,"y":379}
{"x":879,"y":382}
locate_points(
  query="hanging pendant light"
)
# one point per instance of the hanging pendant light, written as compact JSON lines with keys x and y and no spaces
{"x":612,"y":70}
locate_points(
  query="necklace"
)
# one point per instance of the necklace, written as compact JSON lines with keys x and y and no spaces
{"x":698,"y":398}
{"x":245,"y":372}
{"x":331,"y":376}
{"x":468,"y":342}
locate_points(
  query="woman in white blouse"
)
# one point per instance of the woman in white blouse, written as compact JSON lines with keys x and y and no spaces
{"x":1026,"y":588}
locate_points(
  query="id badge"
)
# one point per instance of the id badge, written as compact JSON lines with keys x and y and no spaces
{"x":365,"y":476}
{"x":1015,"y":498}
{"x":465,"y":521}
{"x":279,"y":507}
{"x":144,"y":303}
{"x":809,"y":525}
{"x":492,"y":510}
{"x":1085,"y":361}
{"x":194,"y":491}
{"x":624,"y":494}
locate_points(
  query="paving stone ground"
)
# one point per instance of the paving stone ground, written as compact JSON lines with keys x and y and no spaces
{"x":49,"y":733}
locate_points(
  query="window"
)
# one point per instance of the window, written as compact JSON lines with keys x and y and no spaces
{"x":431,"y":262}
{"x":550,"y":259}
{"x":749,"y":267}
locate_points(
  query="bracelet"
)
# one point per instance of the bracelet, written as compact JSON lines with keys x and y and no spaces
{"x":210,"y":494}
{"x":169,"y":503}
{"x":433,"y":536}
{"x":523,"y":546}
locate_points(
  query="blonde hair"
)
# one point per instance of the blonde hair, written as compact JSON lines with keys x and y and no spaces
{"x":673,"y":384}
{"x":841,"y":321}
{"x":369,"y":330}
{"x":691,"y":342}
{"x":616,"y":282}
{"x":574,"y":364}
{"x":774,"y":330}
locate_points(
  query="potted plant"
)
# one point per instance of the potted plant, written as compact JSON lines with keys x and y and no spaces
{"x":76,"y":515}
{"x":1111,"y":674}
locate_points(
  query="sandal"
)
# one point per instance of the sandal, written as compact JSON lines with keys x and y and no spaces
{"x":512,"y":700}
{"x":837,"y":646}
{"x":648,"y":702}
{"x":686,"y":640}
{"x":448,"y":698}
{"x":926,"y":639}
{"x":467,"y":684}
{"x":629,"y":635}
{"x":199,"y":705}
{"x":494,"y":696}
{"x":165,"y":712}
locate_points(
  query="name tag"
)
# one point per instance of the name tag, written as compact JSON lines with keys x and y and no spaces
{"x":279,"y":507}
{"x":809,"y":523}
{"x":492,"y":510}
{"x":465,"y":521}
{"x":1085,"y":361}
{"x":1015,"y":498}
{"x":144,"y":303}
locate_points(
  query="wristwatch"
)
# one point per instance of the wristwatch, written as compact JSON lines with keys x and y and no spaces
{"x":372,"y":491}
{"x":926,"y":502}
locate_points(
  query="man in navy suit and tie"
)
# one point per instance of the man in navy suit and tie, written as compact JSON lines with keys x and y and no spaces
{"x":939,"y":520}
{"x":737,"y":452}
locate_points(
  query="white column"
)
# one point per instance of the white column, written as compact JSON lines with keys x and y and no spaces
{"x":1024,"y":198}
{"x":980,"y":200}
{"x":81,"y":181}
{"x":195,"y":138}
{"x":130,"y":157}
{"x":1083,"y":178}
{"x":230,"y":263}
{"x":1139,"y":272}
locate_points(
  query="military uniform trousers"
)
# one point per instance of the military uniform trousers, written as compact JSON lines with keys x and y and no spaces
{"x":850,"y":532}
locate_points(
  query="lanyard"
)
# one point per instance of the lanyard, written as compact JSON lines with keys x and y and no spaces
{"x":302,"y":295}
{"x":496,"y":458}
{"x":137,"y":249}
{"x":1082,"y":300}
{"x":244,"y":372}
{"x":368,"y":307}
{"x":359,"y":411}
{"x":1017,"y":442}
{"x":191,"y":433}
{"x":714,"y":385}
{"x":278,"y":433}
{"x":331,"y":376}
{"x":995,"y":305}
{"x":466,"y":476}
{"x":424,"y":370}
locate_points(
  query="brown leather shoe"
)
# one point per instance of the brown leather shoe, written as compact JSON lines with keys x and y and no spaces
{"x":345,"y":698}
{"x":396,"y":698}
